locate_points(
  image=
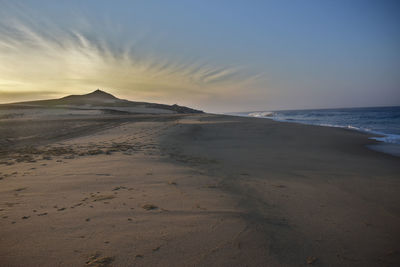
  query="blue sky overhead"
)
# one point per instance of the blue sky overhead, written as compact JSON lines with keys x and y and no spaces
{"x":215,"y":55}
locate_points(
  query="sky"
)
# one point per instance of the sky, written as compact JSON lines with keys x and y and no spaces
{"x":214,"y":55}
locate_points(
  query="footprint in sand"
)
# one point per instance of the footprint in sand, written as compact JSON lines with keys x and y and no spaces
{"x":20,"y":189}
{"x":102,"y":197}
{"x":156,"y":249}
{"x":279,"y":186}
{"x":77,"y":205}
{"x":311,"y":260}
{"x":98,"y":261}
{"x":149,"y":207}
{"x":118,"y":188}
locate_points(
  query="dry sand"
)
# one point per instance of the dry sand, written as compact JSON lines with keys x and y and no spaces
{"x":194,"y":190}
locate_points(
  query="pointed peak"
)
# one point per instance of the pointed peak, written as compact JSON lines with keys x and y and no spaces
{"x":100,"y":93}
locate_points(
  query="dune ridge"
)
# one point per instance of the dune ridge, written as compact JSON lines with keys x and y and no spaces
{"x":100,"y":100}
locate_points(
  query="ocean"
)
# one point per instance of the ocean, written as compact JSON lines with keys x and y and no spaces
{"x":384,"y":122}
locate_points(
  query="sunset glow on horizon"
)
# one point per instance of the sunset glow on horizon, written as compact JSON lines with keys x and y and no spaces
{"x":223,"y":57}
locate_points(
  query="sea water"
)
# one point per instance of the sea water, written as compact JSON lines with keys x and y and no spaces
{"x":384,"y":122}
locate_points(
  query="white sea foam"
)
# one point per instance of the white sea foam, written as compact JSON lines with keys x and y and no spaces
{"x":381,"y":123}
{"x":384,"y":137}
{"x":277,"y":116}
{"x":262,"y":114}
{"x":388,"y":138}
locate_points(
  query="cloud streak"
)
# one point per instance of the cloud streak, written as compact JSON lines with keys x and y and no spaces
{"x":43,"y":58}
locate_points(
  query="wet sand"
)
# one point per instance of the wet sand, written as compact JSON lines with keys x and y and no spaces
{"x":194,"y":190}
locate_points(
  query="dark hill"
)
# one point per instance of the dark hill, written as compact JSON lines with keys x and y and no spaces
{"x":99,"y":99}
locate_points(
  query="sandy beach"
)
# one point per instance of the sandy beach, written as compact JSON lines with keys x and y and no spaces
{"x":199,"y":133}
{"x":194,"y":190}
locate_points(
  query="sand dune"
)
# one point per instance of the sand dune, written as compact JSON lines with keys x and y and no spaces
{"x":97,"y":102}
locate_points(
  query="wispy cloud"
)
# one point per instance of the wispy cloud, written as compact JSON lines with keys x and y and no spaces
{"x":39,"y":56}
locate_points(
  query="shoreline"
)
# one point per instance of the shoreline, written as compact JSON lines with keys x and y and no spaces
{"x":381,"y":146}
{"x":203,"y":190}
